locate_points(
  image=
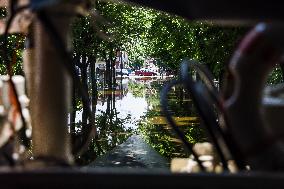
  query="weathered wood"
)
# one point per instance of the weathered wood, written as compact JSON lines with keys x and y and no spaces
{"x":51,"y":93}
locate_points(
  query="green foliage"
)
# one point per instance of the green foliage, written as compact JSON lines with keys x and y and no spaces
{"x":165,"y":141}
{"x":128,"y":26}
{"x":85,"y":40}
{"x":159,"y":134}
{"x":276,"y":76}
{"x":144,"y":33}
{"x":137,"y":89}
{"x":13,"y":50}
{"x":172,"y":39}
{"x":111,"y":133}
{"x":112,"y":130}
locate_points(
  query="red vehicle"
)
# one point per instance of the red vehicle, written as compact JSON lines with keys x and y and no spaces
{"x":145,"y":72}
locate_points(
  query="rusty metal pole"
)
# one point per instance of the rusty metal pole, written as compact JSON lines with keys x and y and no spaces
{"x":50,"y":92}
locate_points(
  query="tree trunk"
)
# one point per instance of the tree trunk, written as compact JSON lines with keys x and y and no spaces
{"x":73,"y":115}
{"x":85,"y":86}
{"x":108,"y":76}
{"x":113,"y":75}
{"x":94,"y":84}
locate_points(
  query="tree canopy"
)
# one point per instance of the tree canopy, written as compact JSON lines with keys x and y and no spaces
{"x":145,"y":33}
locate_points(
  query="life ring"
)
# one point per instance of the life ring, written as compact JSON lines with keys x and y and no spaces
{"x":257,"y":55}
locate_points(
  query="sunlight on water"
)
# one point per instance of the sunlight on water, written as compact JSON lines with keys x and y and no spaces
{"x":133,"y":107}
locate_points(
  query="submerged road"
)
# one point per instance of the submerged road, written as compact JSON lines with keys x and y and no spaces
{"x":134,"y":153}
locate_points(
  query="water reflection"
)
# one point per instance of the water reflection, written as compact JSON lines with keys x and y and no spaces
{"x":133,"y":106}
{"x":158,"y":133}
{"x":124,"y":102}
{"x":118,"y":112}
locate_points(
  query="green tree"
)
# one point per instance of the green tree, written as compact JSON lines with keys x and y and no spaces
{"x":172,"y":39}
{"x":13,"y":50}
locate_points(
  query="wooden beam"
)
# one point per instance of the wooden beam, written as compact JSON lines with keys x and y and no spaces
{"x":242,"y":10}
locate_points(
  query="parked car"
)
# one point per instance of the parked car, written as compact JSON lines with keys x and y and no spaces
{"x":130,"y":71}
{"x":122,"y":71}
{"x":145,"y":72}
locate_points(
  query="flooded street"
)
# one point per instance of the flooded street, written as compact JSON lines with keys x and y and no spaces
{"x":133,"y":108}
{"x":125,"y":105}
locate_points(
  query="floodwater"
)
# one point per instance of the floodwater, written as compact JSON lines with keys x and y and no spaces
{"x":126,"y":104}
{"x":133,"y":108}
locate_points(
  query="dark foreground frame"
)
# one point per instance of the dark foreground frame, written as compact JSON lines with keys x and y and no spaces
{"x":133,"y":178}
{"x":219,"y":10}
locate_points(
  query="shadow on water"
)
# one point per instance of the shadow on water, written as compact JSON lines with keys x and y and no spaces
{"x":133,"y":107}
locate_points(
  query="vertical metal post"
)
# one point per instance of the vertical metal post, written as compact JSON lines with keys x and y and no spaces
{"x":51,"y":92}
